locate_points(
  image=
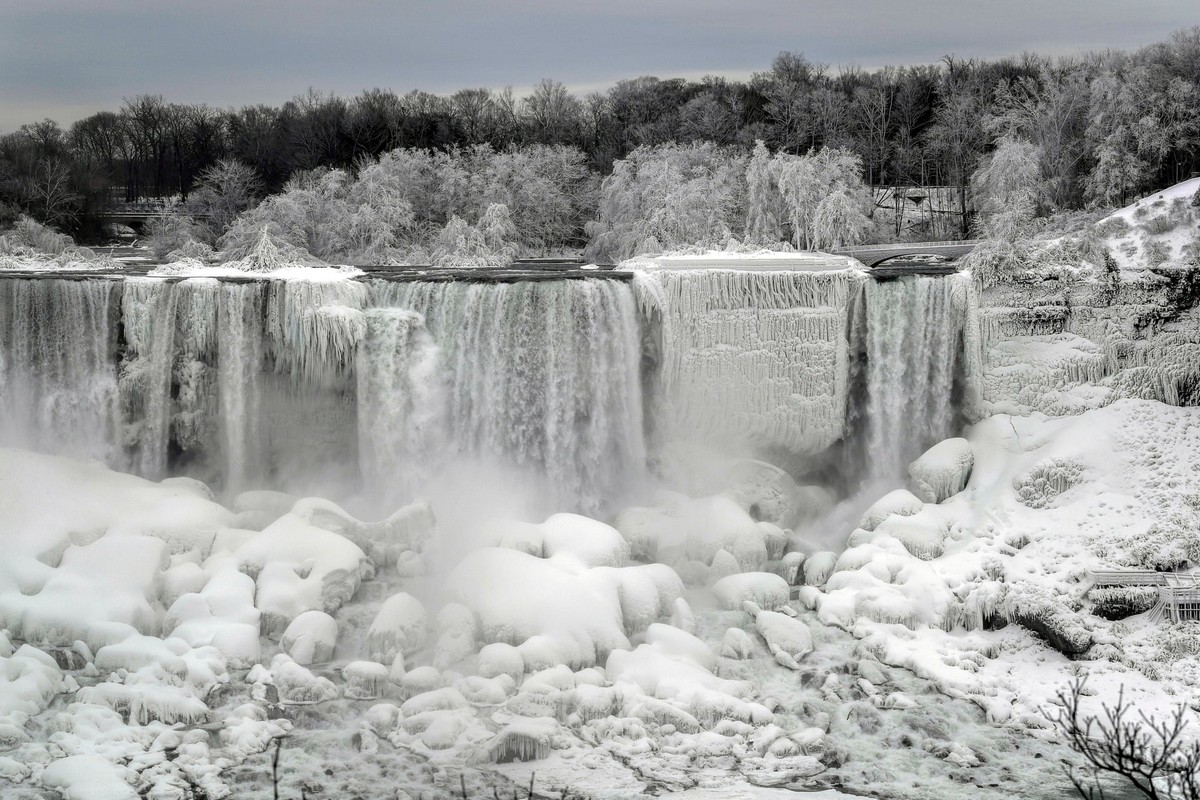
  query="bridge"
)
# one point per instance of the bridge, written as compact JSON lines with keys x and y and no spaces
{"x":876,"y":254}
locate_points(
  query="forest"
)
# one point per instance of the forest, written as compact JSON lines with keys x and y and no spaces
{"x":647,"y":164}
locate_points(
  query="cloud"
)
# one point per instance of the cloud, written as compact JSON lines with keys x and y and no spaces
{"x":60,"y":56}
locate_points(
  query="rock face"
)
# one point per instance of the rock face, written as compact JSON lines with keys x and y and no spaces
{"x":943,"y":470}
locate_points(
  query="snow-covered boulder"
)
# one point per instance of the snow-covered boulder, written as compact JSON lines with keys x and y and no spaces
{"x":900,"y":502}
{"x":818,"y":567}
{"x":516,"y":596}
{"x":764,"y":589}
{"x":365,"y":680}
{"x":400,"y":626}
{"x":299,"y":567}
{"x":737,"y":644}
{"x":500,"y":658}
{"x":298,"y":685}
{"x":310,"y":638}
{"x":681,"y":643}
{"x":943,"y":470}
{"x":923,"y":534}
{"x":788,"y":639}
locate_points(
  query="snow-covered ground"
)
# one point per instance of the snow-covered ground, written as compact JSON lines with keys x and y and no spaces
{"x":156,"y":640}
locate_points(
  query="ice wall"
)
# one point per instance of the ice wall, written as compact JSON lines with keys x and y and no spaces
{"x":1063,"y":348}
{"x":750,"y":358}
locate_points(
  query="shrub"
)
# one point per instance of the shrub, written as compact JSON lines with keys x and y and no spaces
{"x":1119,"y":602}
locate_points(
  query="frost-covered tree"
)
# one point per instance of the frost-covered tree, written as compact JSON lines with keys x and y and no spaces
{"x":839,"y":221}
{"x":489,"y":243}
{"x":764,"y":204}
{"x":832,"y":177}
{"x":1006,"y":188}
{"x":224,"y":191}
{"x":669,"y":197}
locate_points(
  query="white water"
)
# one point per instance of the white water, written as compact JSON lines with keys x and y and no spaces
{"x":240,"y":364}
{"x":914,"y":328}
{"x":540,"y":375}
{"x":58,"y":382}
{"x":380,"y":384}
{"x":401,"y":404}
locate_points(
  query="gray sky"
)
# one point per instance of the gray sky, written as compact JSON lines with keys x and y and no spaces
{"x":65,"y":59}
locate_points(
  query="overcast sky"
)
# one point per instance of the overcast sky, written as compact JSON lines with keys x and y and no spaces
{"x":66,"y":59}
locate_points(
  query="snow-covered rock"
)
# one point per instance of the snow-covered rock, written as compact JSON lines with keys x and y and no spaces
{"x":400,"y":626}
{"x":310,"y":638}
{"x":943,"y":470}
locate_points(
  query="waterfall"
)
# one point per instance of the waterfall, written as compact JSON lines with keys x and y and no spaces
{"x":240,"y":365}
{"x":315,"y":385}
{"x":401,"y":404}
{"x":913,"y":342}
{"x":58,"y":380}
{"x":542,"y":375}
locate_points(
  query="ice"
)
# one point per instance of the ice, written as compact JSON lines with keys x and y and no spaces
{"x":88,"y":777}
{"x":751,"y":357}
{"x":298,"y":567}
{"x":582,"y":616}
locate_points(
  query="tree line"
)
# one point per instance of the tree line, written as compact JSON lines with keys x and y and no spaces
{"x":1103,"y":127}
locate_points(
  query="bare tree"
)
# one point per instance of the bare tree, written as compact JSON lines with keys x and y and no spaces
{"x":1152,"y":755}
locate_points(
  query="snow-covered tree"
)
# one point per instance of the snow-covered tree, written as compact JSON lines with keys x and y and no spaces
{"x":806,"y":182}
{"x":225,"y":190}
{"x":669,"y":197}
{"x":764,"y":204}
{"x":1006,"y":188}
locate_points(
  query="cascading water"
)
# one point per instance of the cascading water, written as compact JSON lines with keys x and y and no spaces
{"x":240,"y":365}
{"x":541,"y":375}
{"x":914,"y":343}
{"x":308,"y":385}
{"x":58,"y":381}
{"x":401,"y":404}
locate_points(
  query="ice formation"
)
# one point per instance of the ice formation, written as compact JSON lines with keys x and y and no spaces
{"x":751,"y":357}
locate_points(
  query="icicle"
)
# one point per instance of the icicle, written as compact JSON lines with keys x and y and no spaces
{"x":315,"y":327}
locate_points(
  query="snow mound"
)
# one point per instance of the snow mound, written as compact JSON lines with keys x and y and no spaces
{"x":943,"y":470}
{"x":400,"y":626}
{"x":299,"y":567}
{"x":765,"y":589}
{"x":310,"y":638}
{"x":900,"y":502}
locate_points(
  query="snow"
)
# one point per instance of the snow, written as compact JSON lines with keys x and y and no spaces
{"x":942,"y":470}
